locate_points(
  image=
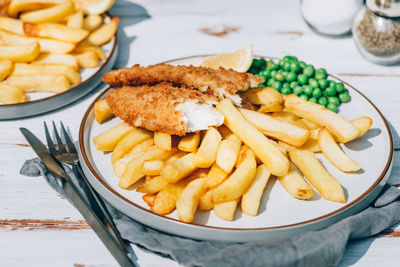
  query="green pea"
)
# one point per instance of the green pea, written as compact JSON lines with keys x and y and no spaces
{"x":322,"y":70}
{"x":339,"y":88}
{"x":264,"y":74}
{"x":320,"y":75}
{"x":286,"y":90}
{"x":273,"y":73}
{"x":270,"y":81}
{"x":286,"y":66}
{"x":262,"y":85}
{"x":323,"y":83}
{"x":317,"y":93}
{"x":304,"y":96}
{"x":291,"y":76}
{"x":279,"y":77}
{"x":284,"y":73}
{"x":294,"y":58}
{"x":334,"y":100}
{"x":331,"y":83}
{"x":281,"y":62}
{"x":302,"y":79}
{"x":309,"y":70}
{"x":330,"y":91}
{"x":286,"y":85}
{"x":307,"y":90}
{"x":323,"y":101}
{"x":277,"y":85}
{"x":293,"y":85}
{"x":302,"y":64}
{"x":295,"y":67}
{"x":344,"y":97}
{"x":313,"y":83}
{"x":298,"y":90}
{"x":313,"y":100}
{"x":287,"y":58}
{"x":332,"y":107}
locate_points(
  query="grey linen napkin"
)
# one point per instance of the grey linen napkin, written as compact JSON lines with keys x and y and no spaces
{"x":317,"y":248}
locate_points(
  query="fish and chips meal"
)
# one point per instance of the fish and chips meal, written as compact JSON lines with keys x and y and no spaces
{"x":45,"y":43}
{"x":210,"y":138}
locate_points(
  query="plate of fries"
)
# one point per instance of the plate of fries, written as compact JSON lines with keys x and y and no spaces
{"x":51,"y":54}
{"x":262,"y":175}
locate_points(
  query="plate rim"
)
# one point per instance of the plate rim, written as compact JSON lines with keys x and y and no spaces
{"x":366,"y":193}
{"x":73,"y":88}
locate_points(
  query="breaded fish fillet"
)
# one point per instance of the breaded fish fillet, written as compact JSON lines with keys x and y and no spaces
{"x":165,"y":108}
{"x":220,"y":83}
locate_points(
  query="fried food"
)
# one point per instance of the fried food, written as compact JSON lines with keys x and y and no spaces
{"x":221,"y":83}
{"x":155,"y":107}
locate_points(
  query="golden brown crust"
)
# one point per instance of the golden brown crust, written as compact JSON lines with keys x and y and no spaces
{"x":30,"y":29}
{"x":219,"y":82}
{"x":153,"y":107}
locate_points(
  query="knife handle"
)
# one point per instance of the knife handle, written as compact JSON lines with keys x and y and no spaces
{"x":96,"y":224}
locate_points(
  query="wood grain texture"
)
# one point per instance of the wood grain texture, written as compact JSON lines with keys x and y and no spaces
{"x":39,"y":228}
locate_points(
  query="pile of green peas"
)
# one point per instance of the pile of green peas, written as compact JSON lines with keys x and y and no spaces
{"x":290,"y":76}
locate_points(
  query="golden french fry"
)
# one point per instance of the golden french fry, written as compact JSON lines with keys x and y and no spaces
{"x":20,"y":53}
{"x":46,"y":45}
{"x":289,"y":118}
{"x":60,"y":69}
{"x":165,"y":200}
{"x":152,"y":167}
{"x":55,"y":31}
{"x":226,"y":210}
{"x":17,"y":6}
{"x":87,"y":59}
{"x":295,"y":184}
{"x":57,"y":59}
{"x":109,"y":139}
{"x":92,"y":22}
{"x":179,"y":169}
{"x":267,"y":97}
{"x":268,"y":153}
{"x":84,"y":47}
{"x":363,"y":124}
{"x":206,"y":201}
{"x":152,"y":186}
{"x":11,"y":25}
{"x":104,"y":34}
{"x":336,"y":124}
{"x":314,"y":133}
{"x":40,"y":83}
{"x":275,"y":128}
{"x":311,"y":125}
{"x":11,"y":94}
{"x":190,"y":142}
{"x":215,"y":176}
{"x":328,"y":187}
{"x":131,"y":139}
{"x":237,"y":184}
{"x":133,"y":171}
{"x":227,"y":134}
{"x":312,"y":145}
{"x":188,"y":200}
{"x":6,"y":66}
{"x":227,"y":154}
{"x":251,"y":199}
{"x":51,"y":14}
{"x":207,"y":152}
{"x":334,"y":153}
{"x":75,"y":20}
{"x":149,"y":199}
{"x":102,"y":111}
{"x":265,"y":109}
{"x":163,"y":140}
{"x":174,"y":157}
{"x":120,"y":165}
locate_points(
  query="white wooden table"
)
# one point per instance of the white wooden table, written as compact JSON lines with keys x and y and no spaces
{"x":39,"y":228}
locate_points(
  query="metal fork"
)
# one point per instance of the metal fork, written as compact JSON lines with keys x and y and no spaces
{"x":67,"y":154}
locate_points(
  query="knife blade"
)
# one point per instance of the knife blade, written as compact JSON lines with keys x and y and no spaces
{"x":77,"y":200}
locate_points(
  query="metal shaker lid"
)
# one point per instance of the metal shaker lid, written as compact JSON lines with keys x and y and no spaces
{"x":387,"y":8}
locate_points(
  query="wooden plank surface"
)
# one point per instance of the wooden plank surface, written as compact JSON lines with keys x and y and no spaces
{"x":40,"y":228}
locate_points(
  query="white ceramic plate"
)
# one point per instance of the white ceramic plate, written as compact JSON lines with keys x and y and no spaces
{"x":43,"y":102}
{"x":280,"y":214}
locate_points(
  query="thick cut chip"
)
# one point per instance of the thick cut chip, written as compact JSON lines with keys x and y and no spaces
{"x":109,"y":139}
{"x":51,"y":14}
{"x":40,"y":83}
{"x":11,"y":94}
{"x":17,"y":6}
{"x":188,"y":200}
{"x":57,"y":59}
{"x":295,"y":184}
{"x":363,"y":124}
{"x":60,"y":69}
{"x":163,"y":140}
{"x":104,"y":34}
{"x":152,"y":186}
{"x":207,"y":152}
{"x":92,"y":22}
{"x":152,"y":167}
{"x":55,"y":31}
{"x":11,"y":25}
{"x":102,"y":111}
{"x":88,"y":59}
{"x":20,"y":53}
{"x":133,"y":138}
{"x":6,"y":67}
{"x":179,"y":169}
{"x":190,"y":142}
{"x":327,"y":185}
{"x":226,"y":210}
{"x":267,"y":97}
{"x":206,"y":201}
{"x":215,"y":176}
{"x":228,"y":152}
{"x":75,"y":20}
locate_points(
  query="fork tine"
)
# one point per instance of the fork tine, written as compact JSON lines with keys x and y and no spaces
{"x":61,"y":146}
{"x":50,"y":144}
{"x":70,"y":144}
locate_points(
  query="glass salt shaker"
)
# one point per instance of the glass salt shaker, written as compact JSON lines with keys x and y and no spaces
{"x":376,"y":31}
